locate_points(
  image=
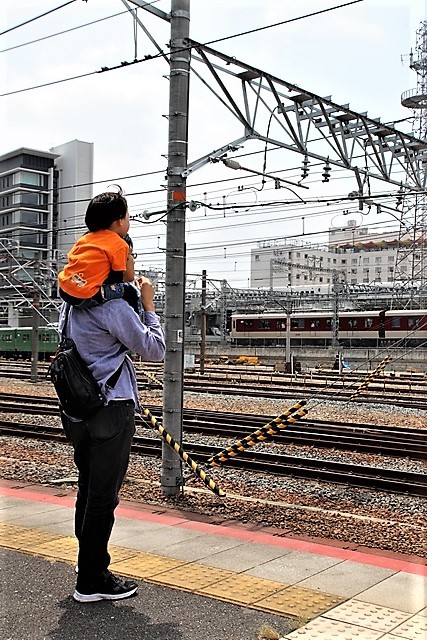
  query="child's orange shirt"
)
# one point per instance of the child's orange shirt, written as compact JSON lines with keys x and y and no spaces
{"x":90,"y":261}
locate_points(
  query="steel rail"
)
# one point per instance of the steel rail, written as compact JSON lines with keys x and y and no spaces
{"x":270,"y":377}
{"x":363,"y":438}
{"x":388,"y":480}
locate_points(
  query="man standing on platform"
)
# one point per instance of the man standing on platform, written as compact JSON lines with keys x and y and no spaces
{"x":103,"y":335}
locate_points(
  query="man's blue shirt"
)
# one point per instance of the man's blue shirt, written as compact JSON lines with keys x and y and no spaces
{"x":104,"y":334}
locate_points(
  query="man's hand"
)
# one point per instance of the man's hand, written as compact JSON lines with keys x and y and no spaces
{"x":147,"y":291}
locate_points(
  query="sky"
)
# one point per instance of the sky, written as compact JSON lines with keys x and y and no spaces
{"x":357,"y":54}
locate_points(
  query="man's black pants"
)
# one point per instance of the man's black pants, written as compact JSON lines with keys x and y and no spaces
{"x":101,"y":454}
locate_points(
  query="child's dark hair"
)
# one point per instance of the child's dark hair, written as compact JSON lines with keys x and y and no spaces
{"x":104,"y":209}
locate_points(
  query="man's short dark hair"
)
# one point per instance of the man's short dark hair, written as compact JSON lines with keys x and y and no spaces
{"x":104,"y":209}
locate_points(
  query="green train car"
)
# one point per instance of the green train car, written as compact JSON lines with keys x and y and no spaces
{"x":16,"y":343}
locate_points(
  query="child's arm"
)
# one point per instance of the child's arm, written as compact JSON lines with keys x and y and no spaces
{"x":129,"y":273}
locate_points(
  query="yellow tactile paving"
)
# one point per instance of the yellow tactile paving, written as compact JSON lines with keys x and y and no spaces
{"x":7,"y":529}
{"x":242,"y":589}
{"x":64,"y":548}
{"x":191,"y":577}
{"x":144,"y":565}
{"x":257,"y":593}
{"x":118,"y":554}
{"x":23,"y":538}
{"x":302,"y":603}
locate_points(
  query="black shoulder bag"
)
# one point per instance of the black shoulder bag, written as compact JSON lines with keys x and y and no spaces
{"x":79,"y":394}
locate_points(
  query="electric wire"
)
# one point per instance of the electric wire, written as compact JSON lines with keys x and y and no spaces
{"x":268,"y":207}
{"x":277,"y":24}
{"x":162,"y":54}
{"x":60,"y":33}
{"x":36,"y":17}
{"x":334,"y":203}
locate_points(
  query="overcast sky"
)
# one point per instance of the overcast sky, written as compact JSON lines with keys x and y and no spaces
{"x":357,"y":54}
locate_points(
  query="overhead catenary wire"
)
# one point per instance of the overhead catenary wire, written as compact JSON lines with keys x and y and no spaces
{"x":282,"y":22}
{"x":162,"y":53}
{"x":2,"y":33}
{"x":60,"y":33}
{"x":248,"y":224}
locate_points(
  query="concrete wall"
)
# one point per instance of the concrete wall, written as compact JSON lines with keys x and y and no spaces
{"x":403,"y":360}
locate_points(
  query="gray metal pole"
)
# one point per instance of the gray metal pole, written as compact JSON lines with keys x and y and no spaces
{"x":288,"y":340}
{"x":35,"y":338}
{"x":171,"y":477}
{"x":336,"y":289}
{"x":203,"y":328}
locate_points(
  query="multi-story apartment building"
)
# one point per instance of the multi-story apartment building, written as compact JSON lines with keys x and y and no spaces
{"x":41,"y":214}
{"x":357,"y":256}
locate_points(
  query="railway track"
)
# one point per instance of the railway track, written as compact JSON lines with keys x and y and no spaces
{"x":396,"y":441}
{"x":414,"y":484}
{"x":275,"y":386}
{"x":411,"y":402}
{"x":416,"y":382}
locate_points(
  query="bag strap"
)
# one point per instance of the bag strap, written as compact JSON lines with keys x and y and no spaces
{"x":67,"y":311}
{"x":112,"y":380}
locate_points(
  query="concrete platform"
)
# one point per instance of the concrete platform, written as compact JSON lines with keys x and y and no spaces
{"x":198,"y":579}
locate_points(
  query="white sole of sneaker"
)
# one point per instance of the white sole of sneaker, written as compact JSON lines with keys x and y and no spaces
{"x":96,"y":597}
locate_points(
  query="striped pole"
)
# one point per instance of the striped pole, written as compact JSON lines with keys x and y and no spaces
{"x":292,"y":415}
{"x":183,"y":455}
{"x":371,"y":376}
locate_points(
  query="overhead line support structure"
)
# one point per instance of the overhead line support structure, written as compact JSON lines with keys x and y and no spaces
{"x":312,"y":125}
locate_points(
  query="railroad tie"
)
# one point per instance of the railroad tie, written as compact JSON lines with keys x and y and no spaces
{"x":173,"y":444}
{"x":292,"y":415}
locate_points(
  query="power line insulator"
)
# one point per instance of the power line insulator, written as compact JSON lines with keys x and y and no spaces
{"x":305,"y":168}
{"x":326,"y":172}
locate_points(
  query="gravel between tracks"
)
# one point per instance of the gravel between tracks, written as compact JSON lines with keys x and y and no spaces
{"x":359,"y":517}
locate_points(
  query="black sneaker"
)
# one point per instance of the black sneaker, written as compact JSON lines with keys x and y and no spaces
{"x":111,"y":588}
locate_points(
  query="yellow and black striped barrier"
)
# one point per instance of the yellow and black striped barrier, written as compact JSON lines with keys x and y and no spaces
{"x":292,"y":415}
{"x":382,"y":365}
{"x":183,"y":455}
{"x":150,"y":376}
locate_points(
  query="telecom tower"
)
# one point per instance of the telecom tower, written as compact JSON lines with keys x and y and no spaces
{"x":411,"y":260}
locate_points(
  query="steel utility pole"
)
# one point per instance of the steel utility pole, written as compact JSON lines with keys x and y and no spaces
{"x":171,"y":477}
{"x":203,"y":331}
{"x":35,"y":322}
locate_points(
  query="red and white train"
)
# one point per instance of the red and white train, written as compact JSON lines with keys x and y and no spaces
{"x":356,"y":328}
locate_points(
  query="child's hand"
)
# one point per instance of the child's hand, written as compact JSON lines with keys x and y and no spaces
{"x":128,"y":240}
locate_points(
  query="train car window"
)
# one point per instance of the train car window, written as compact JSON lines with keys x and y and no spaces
{"x":314,"y":324}
{"x":395,"y":323}
{"x":247,"y":324}
{"x":297,"y":323}
{"x":352,"y":323}
{"x":265,"y":324}
{"x":328,"y":323}
{"x":281,"y":325}
{"x":413,"y":323}
{"x":368,"y":323}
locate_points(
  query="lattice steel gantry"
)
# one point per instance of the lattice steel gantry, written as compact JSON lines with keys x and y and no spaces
{"x":411,"y":258}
